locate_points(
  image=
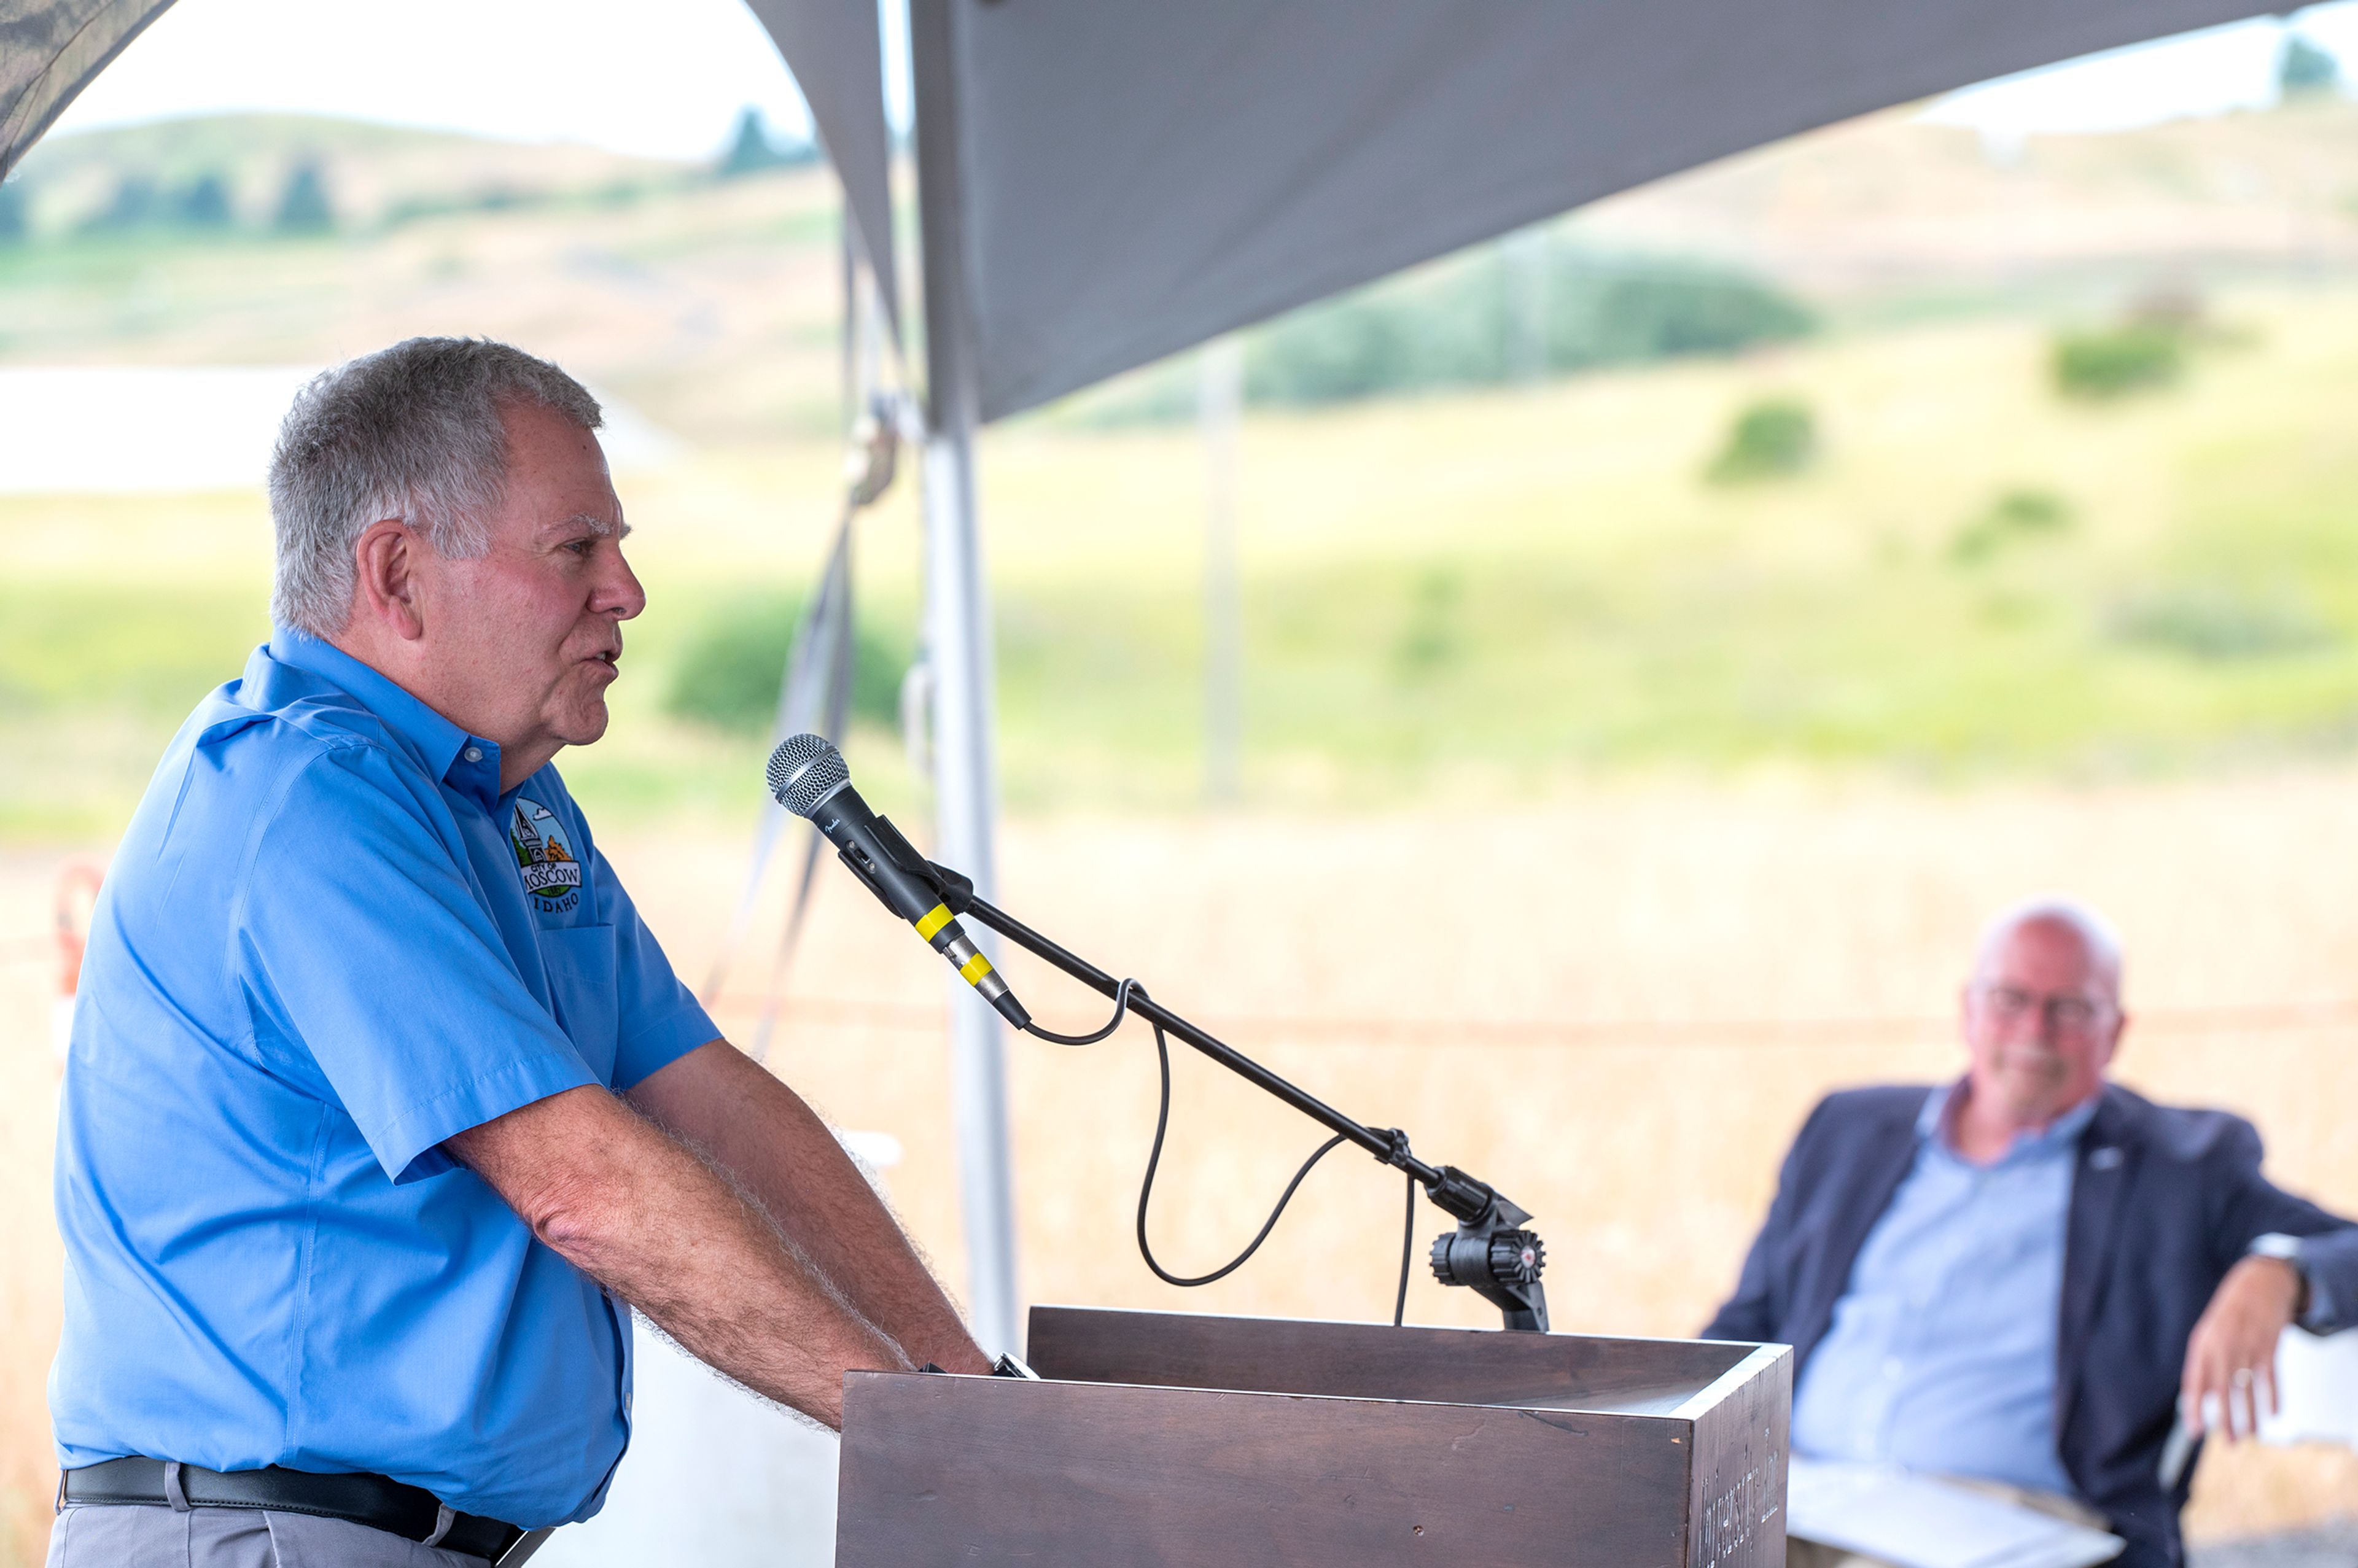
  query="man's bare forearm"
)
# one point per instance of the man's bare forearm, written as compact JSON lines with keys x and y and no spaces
{"x":763,"y":1134}
{"x":630,"y":1207}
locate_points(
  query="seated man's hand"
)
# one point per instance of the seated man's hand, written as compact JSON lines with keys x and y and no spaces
{"x":2230,"y":1357}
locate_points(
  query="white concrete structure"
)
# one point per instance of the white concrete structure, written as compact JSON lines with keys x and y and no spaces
{"x":120,"y":429}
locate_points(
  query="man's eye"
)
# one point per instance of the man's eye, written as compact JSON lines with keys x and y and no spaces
{"x":581,"y":547}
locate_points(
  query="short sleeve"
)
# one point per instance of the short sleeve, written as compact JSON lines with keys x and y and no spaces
{"x":361,"y":938}
{"x":659,"y":1020}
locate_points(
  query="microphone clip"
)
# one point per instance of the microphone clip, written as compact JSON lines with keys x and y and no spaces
{"x":955,"y":892}
{"x":1490,"y":1253}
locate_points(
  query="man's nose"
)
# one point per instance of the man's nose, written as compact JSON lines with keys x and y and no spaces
{"x":619,"y":593}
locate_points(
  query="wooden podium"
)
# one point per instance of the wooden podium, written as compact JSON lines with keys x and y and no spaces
{"x":1166,"y":1440}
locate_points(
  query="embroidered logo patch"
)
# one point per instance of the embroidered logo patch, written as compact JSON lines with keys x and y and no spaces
{"x":547,"y":867}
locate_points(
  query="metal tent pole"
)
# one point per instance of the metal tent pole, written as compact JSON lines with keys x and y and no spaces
{"x":1220,"y":393}
{"x":959,"y":642}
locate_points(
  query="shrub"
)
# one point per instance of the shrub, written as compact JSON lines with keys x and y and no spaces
{"x":202,"y":203}
{"x":134,"y":205}
{"x":730,"y":673}
{"x":1616,"y":314}
{"x":1770,"y":438}
{"x":2016,"y":516}
{"x":2305,"y":68}
{"x":1478,"y":320}
{"x":750,"y":149}
{"x":1460,"y":325}
{"x":2216,"y":625}
{"x":303,"y":205}
{"x":1434,"y":637}
{"x":2113,"y":362}
{"x":1357,"y":347}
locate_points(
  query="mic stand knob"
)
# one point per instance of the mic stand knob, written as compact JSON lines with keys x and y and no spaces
{"x":1499,"y":1263}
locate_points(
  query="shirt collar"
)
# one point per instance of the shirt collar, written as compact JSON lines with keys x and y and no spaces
{"x":467,"y":763}
{"x":1931,"y":1123}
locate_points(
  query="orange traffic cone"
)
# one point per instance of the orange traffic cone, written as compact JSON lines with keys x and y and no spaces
{"x":77,"y":898}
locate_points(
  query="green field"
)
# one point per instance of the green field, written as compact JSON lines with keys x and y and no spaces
{"x":1969,"y":575}
{"x":1496,"y":590}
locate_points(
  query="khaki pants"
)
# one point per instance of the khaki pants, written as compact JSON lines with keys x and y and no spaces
{"x":1816,"y":1554}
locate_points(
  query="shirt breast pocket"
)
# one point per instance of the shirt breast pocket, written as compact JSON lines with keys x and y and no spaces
{"x":580,"y":964}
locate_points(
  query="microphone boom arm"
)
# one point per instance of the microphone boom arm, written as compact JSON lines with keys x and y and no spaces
{"x":1489,"y":1252}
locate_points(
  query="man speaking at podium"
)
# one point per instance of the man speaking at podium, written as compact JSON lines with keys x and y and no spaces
{"x":2018,"y":1281}
{"x":382,"y":1099}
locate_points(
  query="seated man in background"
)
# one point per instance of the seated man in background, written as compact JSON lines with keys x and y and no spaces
{"x":2020,"y":1278}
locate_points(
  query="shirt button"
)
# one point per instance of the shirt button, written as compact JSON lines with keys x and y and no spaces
{"x":474,"y":754}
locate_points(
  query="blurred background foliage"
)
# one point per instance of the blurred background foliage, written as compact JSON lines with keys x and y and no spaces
{"x":1887,"y":448}
{"x":1533,"y":309}
{"x":1774,"y":437}
{"x":728,"y":673}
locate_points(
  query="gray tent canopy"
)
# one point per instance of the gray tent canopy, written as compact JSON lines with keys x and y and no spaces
{"x":50,"y":50}
{"x":1140,"y":177}
{"x":1106,"y":183}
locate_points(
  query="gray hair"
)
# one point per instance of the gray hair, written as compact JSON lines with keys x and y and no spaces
{"x":2097,"y":935}
{"x":413,"y":432}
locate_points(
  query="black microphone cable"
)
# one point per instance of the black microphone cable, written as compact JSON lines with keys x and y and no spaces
{"x":808,"y":777}
{"x":1122,"y":993}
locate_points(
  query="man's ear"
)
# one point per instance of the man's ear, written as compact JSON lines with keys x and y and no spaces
{"x":386,"y":586}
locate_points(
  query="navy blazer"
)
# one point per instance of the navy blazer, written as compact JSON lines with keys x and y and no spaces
{"x":2163,"y":1204}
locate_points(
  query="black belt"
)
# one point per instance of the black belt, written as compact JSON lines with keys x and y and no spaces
{"x":379,"y":1502}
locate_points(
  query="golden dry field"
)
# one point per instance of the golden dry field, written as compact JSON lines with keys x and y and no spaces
{"x":1616,"y":1004}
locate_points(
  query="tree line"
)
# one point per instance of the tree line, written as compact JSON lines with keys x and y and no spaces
{"x":204,"y":202}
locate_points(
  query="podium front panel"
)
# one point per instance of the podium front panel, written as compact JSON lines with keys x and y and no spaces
{"x":1151,"y":1443}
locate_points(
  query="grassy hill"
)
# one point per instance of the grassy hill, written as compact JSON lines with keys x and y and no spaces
{"x":1891,"y":214}
{"x":709,"y":304}
{"x":375,"y":170}
{"x":1974,"y":576}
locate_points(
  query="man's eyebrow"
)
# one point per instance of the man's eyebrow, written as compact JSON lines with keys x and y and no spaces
{"x":593,"y":522}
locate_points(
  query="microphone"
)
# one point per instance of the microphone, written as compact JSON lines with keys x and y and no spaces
{"x":808,"y":777}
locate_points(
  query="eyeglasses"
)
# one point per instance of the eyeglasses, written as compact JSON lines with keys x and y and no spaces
{"x":2067,"y":1014}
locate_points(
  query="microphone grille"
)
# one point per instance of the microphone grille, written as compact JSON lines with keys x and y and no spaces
{"x":805,"y":771}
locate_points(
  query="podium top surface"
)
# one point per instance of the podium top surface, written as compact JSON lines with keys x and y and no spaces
{"x":1672,"y":1378}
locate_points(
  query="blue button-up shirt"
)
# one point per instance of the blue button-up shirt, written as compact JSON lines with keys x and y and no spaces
{"x":1941,"y":1355}
{"x":327,"y":942}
